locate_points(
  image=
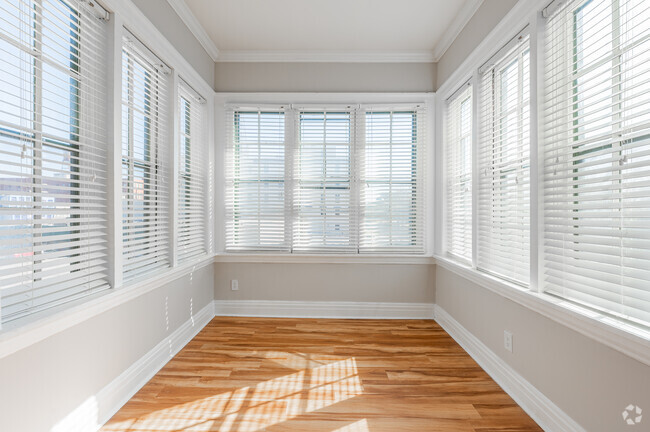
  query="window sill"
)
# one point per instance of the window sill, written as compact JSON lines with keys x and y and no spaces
{"x":22,"y":333}
{"x":625,"y":338}
{"x":271,"y":258}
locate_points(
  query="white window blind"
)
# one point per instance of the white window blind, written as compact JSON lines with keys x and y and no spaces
{"x":391,"y":166}
{"x":334,"y":179}
{"x":256,"y":186}
{"x":596,"y":138}
{"x":325,"y":214}
{"x":52,"y":155}
{"x":145,"y":161}
{"x":458,"y":149}
{"x":192,"y":174}
{"x":504,"y":164}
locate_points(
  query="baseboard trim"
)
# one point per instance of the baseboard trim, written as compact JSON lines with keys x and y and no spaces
{"x":540,"y":408}
{"x":316,"y":309}
{"x":112,"y":397}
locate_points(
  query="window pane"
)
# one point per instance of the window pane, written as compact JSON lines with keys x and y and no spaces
{"x":391,"y":208}
{"x":325,"y":220}
{"x":256,"y":183}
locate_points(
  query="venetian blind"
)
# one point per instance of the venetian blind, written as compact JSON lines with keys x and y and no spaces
{"x":145,"y":161}
{"x":391,"y":159}
{"x":596,"y":149}
{"x":324,"y":209}
{"x":504,"y":163}
{"x":192,"y":174}
{"x":256,"y":202}
{"x":53,"y":89}
{"x":458,"y":150}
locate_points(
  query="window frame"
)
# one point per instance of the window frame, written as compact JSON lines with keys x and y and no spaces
{"x":332,"y":101}
{"x":190,"y":238}
{"x":158,"y":84}
{"x":453,"y":180}
{"x":494,"y":139}
{"x":24,"y":331}
{"x":233,"y":146}
{"x":303,"y":184}
{"x":616,"y":334}
{"x":418,"y":154}
{"x":40,"y":58}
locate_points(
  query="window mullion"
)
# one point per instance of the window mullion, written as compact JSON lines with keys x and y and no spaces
{"x":357,"y":152}
{"x":37,"y":156}
{"x":114,"y":154}
{"x":476,"y":168}
{"x":290,"y":154}
{"x":174,"y":115}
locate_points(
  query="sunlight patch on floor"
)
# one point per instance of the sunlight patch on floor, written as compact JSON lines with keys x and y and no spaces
{"x":250,"y":409}
{"x":358,"y":426}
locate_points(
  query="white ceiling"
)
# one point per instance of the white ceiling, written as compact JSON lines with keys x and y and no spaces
{"x":313,"y":30}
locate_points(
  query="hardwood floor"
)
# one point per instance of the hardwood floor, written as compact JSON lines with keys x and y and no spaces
{"x":263,"y":374}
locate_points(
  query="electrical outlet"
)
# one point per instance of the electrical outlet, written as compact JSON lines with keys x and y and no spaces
{"x":234,"y":285}
{"x":507,"y":340}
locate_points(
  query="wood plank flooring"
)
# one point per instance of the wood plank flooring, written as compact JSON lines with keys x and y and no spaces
{"x":264,"y":374}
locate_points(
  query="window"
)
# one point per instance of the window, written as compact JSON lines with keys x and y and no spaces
{"x":458,"y":149}
{"x":145,"y":168}
{"x":344,"y":179}
{"x":192,"y":175}
{"x":52,"y":155}
{"x":256,"y":203}
{"x":325,"y":218}
{"x":391,"y":165}
{"x":597,"y":156}
{"x":504,"y":164}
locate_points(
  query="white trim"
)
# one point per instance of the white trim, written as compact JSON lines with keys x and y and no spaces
{"x":174,"y":145}
{"x":322,"y":259}
{"x":594,"y":325}
{"x":138,"y":24}
{"x":226,"y":99}
{"x":508,"y":27}
{"x":508,"y":47}
{"x":118,"y":392}
{"x":186,"y":14}
{"x":466,"y":13}
{"x":430,"y":173}
{"x":316,"y":309}
{"x":41,"y":326}
{"x":540,"y":408}
{"x":94,"y":413}
{"x":311,"y":56}
{"x":114,"y":152}
{"x":287,"y":98}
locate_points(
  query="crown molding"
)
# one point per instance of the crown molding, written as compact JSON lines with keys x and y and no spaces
{"x":311,"y":56}
{"x":457,"y":25}
{"x":516,"y":19}
{"x":185,"y":13}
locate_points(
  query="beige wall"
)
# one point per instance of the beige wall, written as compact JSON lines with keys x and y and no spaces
{"x":41,"y":384}
{"x":163,"y":16}
{"x":412,"y":283}
{"x":324,"y":77}
{"x":589,"y":381}
{"x":479,"y":26}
